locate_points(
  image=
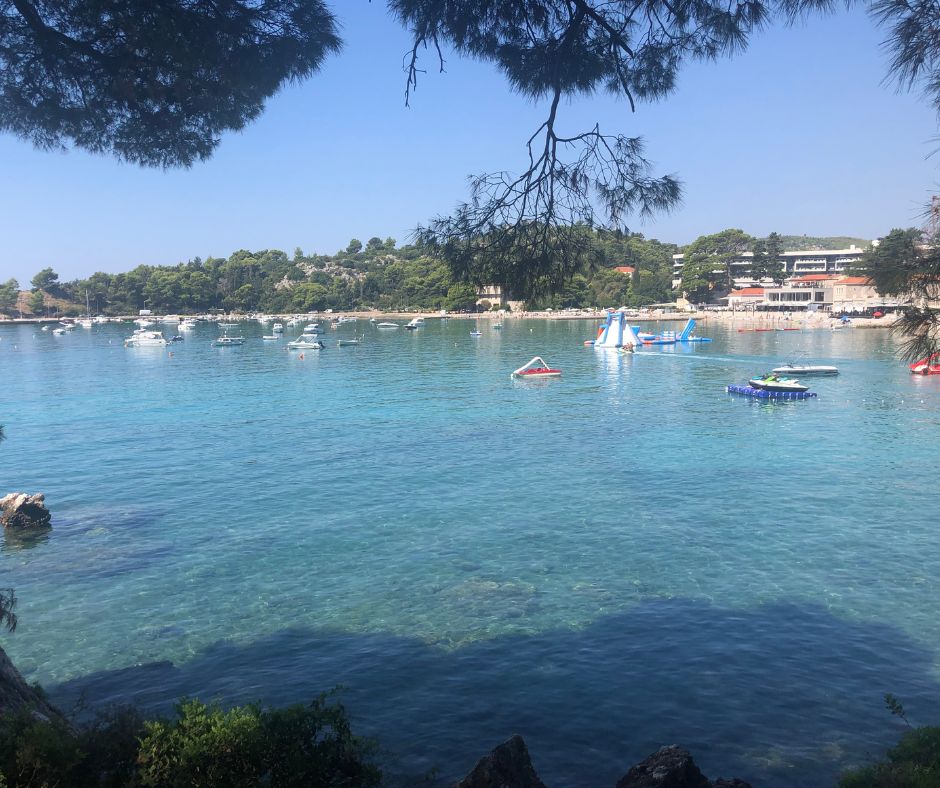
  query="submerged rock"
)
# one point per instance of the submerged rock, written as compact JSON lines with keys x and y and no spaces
{"x":508,"y":766}
{"x":672,"y":767}
{"x":22,"y":510}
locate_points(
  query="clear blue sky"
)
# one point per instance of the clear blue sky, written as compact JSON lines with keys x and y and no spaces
{"x":799,"y":135}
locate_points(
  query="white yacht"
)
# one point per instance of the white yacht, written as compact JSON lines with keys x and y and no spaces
{"x":143,"y":338}
{"x":306,"y":342}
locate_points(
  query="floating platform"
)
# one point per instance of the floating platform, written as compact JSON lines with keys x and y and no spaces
{"x":750,"y":391}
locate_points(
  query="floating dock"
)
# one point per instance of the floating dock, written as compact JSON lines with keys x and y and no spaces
{"x":750,"y":391}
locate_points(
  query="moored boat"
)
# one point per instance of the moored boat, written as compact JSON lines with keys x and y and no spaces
{"x":536,"y":368}
{"x":805,"y":369}
{"x":227,"y":341}
{"x":386,"y":325}
{"x":306,"y":342}
{"x":927,"y":366}
{"x":144,"y":338}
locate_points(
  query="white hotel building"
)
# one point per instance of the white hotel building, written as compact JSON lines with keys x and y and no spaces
{"x":812,"y":261}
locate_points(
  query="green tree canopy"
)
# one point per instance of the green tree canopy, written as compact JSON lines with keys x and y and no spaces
{"x":46,"y":279}
{"x":9,"y":294}
{"x":906,"y":264}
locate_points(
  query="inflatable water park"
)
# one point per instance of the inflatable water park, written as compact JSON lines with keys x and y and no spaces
{"x":618,"y":333}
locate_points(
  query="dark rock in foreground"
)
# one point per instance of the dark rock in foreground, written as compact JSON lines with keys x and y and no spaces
{"x":672,"y":767}
{"x":508,"y":766}
{"x":22,"y":510}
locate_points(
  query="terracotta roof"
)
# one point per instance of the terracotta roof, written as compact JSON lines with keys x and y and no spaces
{"x":625,"y":269}
{"x":855,"y":280}
{"x":747,"y":291}
{"x":812,"y":278}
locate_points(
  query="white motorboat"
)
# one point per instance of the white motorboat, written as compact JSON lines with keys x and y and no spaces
{"x":312,"y":328}
{"x":387,"y":325}
{"x":58,"y":331}
{"x":344,"y":342}
{"x":476,"y":333}
{"x":269,"y":337}
{"x":228,"y":325}
{"x":306,"y":342}
{"x":143,"y":322}
{"x":86,"y":322}
{"x":414,"y":324}
{"x":44,"y":328}
{"x":143,"y":338}
{"x":805,"y":369}
{"x":187,"y":325}
{"x":227,"y":341}
{"x":278,"y":328}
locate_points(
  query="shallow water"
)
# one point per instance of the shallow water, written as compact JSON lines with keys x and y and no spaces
{"x":622,"y":558}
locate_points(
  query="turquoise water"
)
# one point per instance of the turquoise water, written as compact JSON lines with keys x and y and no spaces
{"x":619,"y":559}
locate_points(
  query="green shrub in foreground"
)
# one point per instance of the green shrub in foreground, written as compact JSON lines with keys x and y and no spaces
{"x":913,"y":763}
{"x":203,"y":747}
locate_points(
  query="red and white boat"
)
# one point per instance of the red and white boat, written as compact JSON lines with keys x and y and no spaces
{"x":536,"y":368}
{"x":927,"y":366}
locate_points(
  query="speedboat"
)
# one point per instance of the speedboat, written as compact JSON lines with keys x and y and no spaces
{"x":312,"y":328}
{"x":386,"y":325}
{"x":805,"y":369}
{"x":227,"y":341}
{"x":278,"y":328}
{"x":143,"y":338}
{"x":536,"y":368}
{"x":187,"y":325}
{"x":269,"y":337}
{"x":228,"y":325}
{"x":476,"y":333}
{"x":306,"y":342}
{"x":344,"y":342}
{"x":772,"y":382}
{"x":86,"y":322}
{"x":143,"y":322}
{"x":58,"y":331}
{"x":414,"y":324}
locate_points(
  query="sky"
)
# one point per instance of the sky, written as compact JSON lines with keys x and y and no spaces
{"x":799,"y":135}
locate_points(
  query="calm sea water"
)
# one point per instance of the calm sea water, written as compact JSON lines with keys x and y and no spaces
{"x":622,"y":558}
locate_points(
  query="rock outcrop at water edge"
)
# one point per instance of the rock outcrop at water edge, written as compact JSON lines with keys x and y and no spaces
{"x":16,"y":694}
{"x":672,"y":767}
{"x":22,"y":510}
{"x":508,"y":766}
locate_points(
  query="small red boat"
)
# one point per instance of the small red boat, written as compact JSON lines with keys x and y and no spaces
{"x":536,"y":368}
{"x":927,"y":366}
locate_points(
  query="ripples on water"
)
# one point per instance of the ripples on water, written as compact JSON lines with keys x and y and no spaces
{"x":608,"y":562}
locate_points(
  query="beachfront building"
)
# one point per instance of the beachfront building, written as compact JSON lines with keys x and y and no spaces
{"x":813,"y":292}
{"x":745,"y":298}
{"x":806,"y":262}
{"x":492,"y":294}
{"x":855,"y":294}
